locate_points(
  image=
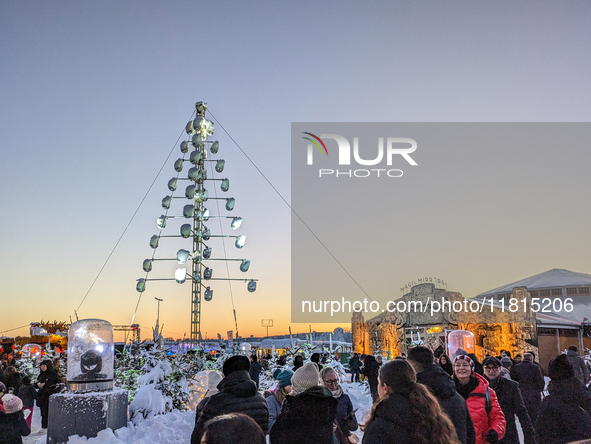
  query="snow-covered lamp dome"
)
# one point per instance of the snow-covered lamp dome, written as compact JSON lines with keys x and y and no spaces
{"x":90,"y":356}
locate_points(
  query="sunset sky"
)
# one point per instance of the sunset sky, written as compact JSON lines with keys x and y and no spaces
{"x":94,"y":97}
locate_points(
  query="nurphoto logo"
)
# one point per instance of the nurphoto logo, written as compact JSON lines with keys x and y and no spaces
{"x":395,"y":146}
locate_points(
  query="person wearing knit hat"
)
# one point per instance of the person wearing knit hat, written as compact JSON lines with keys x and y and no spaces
{"x":565,"y":412}
{"x":308,"y":412}
{"x":474,"y":388}
{"x":12,"y":422}
{"x":277,"y":395}
{"x":237,"y":394}
{"x":213,"y":379}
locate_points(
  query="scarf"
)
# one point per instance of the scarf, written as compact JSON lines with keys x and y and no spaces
{"x":337,"y":393}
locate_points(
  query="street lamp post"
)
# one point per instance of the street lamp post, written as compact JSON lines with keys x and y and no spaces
{"x":267,"y":323}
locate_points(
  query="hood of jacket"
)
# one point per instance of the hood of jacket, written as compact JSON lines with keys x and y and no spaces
{"x":438,"y":381}
{"x":239,"y":384}
{"x":570,"y":391}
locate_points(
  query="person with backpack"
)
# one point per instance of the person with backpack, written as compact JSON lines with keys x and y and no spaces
{"x":483,"y":405}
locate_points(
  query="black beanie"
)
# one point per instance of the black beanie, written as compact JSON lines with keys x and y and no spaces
{"x":235,"y":363}
{"x":560,"y":369}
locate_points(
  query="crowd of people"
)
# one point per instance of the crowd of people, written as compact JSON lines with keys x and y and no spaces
{"x":18,"y":395}
{"x":424,"y":397}
{"x":419,"y":398}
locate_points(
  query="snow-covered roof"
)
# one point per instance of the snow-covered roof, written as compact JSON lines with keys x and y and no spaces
{"x":554,"y":278}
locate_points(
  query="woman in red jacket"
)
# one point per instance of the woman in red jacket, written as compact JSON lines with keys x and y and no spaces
{"x":486,"y":413}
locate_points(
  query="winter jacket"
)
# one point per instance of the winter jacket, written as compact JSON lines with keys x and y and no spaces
{"x":371,"y":370}
{"x":306,"y":418}
{"x":511,"y":403}
{"x":483,"y":422}
{"x":12,"y":427}
{"x":274,"y":409}
{"x":255,"y":371}
{"x":28,"y":394}
{"x":354,"y":363}
{"x":564,"y":415}
{"x":579,"y":366}
{"x":531,"y":383}
{"x":50,"y":379}
{"x":443,"y":388}
{"x":344,"y":409}
{"x":237,"y":394}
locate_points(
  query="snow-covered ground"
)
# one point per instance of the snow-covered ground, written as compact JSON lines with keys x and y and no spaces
{"x":176,"y":427}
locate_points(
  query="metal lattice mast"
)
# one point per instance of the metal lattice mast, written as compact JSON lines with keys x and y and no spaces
{"x":198,"y":129}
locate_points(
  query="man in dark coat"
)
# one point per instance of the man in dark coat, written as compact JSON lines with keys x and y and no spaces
{"x":580,"y":368}
{"x":444,"y":389}
{"x":47,"y":382}
{"x":511,"y":402}
{"x":255,"y":369}
{"x":237,"y":394}
{"x":371,"y":369}
{"x":308,"y":413}
{"x":531,"y":383}
{"x":354,"y":365}
{"x":564,"y":415}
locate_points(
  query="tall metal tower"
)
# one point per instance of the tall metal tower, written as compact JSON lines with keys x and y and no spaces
{"x":196,"y":192}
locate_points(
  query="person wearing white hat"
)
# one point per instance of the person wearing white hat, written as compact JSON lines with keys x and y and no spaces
{"x":12,"y":423}
{"x":308,"y":412}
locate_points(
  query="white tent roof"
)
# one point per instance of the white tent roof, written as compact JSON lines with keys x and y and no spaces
{"x":554,"y":278}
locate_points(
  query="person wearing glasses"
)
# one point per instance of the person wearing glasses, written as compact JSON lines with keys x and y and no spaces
{"x":346,"y":420}
{"x":511,"y":402}
{"x":489,"y":420}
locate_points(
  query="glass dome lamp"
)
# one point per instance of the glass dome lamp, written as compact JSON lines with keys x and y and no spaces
{"x":460,"y":342}
{"x":225,"y":186}
{"x":240,"y":241}
{"x":198,"y":123}
{"x":245,"y":347}
{"x":178,"y":165}
{"x":206,"y":214}
{"x":252,"y":286}
{"x":154,"y":241}
{"x":209,"y":127}
{"x":182,"y":256}
{"x":196,"y":140}
{"x":206,"y":252}
{"x":215,"y":147}
{"x":190,"y":192}
{"x":147,"y":265}
{"x":193,"y":174}
{"x":141,"y":285}
{"x":207,"y":273}
{"x":201,"y":107}
{"x":230,"y":202}
{"x":208,"y":296}
{"x":186,"y":230}
{"x":188,"y":211}
{"x":189,"y":128}
{"x":196,"y":157}
{"x":219,"y":166}
{"x":31,"y":351}
{"x":184,"y":147}
{"x":202,"y":196}
{"x":236,"y":222}
{"x":202,"y":176}
{"x":91,"y":353}
{"x":161,"y":222}
{"x":206,"y":234}
{"x":244,"y":265}
{"x":180,"y":275}
{"x":172,"y":184}
{"x":166,"y":202}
